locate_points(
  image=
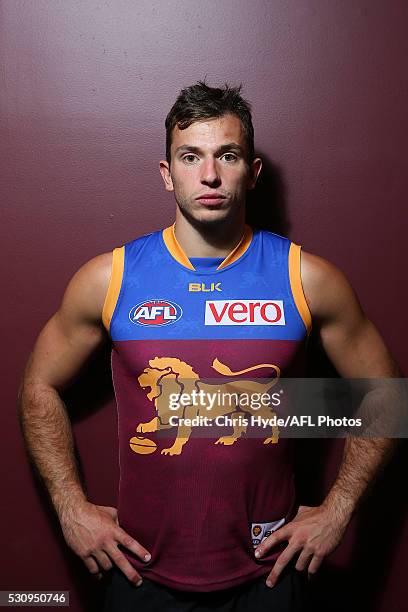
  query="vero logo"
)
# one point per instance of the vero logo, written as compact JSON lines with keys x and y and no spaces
{"x":244,"y":312}
{"x":155,"y":312}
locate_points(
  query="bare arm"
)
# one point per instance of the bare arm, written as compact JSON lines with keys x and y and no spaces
{"x":69,"y":338}
{"x":63,"y":347}
{"x":357,"y":350}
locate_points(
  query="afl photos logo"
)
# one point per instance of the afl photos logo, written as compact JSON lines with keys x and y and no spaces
{"x":155,"y":312}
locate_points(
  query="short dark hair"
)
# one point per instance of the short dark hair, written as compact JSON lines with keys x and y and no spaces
{"x":200,"y":101}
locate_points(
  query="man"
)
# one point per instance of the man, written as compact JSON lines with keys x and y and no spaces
{"x":201,"y":520}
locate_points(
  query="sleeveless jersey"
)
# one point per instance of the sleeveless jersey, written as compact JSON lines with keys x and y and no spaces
{"x":200,"y":497}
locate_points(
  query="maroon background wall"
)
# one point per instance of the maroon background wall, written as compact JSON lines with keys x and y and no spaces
{"x":85,"y":88}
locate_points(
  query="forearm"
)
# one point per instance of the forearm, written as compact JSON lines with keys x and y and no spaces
{"x":48,"y":435}
{"x":363,"y":459}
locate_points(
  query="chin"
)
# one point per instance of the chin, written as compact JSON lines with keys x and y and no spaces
{"x":208,"y":217}
{"x":215,"y":217}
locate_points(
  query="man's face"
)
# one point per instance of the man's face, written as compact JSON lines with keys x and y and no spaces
{"x":208,"y":171}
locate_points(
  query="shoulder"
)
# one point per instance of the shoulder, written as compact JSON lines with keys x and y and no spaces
{"x":86,"y":291}
{"x":327,"y":290}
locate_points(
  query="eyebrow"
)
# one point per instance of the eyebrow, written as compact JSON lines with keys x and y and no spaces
{"x":225,"y":147}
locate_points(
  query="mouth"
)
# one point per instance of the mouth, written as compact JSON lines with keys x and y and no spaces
{"x":211,"y":199}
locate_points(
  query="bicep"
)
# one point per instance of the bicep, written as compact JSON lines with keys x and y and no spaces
{"x":74,"y":332}
{"x":60,"y":352}
{"x":349,"y":338}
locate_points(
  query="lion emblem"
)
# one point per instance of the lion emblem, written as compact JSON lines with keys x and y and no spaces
{"x":168,"y":375}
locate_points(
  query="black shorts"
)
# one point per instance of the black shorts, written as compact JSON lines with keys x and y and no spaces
{"x":288,"y":595}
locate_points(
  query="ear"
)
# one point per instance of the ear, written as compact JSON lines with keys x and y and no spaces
{"x":254,"y":171}
{"x":166,"y":176}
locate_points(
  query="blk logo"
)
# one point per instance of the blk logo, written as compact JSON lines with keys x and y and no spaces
{"x":202,"y":287}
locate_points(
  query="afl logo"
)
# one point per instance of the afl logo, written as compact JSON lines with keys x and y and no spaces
{"x":155,"y":312}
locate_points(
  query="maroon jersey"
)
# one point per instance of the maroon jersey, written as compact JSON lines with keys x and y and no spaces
{"x":191,"y":340}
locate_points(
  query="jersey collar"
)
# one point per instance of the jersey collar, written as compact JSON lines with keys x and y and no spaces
{"x":179,"y":255}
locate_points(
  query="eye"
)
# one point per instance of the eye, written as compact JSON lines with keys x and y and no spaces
{"x":189,"y":158}
{"x":231,"y":157}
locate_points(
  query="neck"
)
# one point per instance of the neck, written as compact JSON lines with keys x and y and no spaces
{"x":208,"y":240}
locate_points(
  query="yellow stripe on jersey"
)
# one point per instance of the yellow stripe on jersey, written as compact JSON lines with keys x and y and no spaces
{"x":239,"y":249}
{"x":175,"y":249}
{"x":118,"y":262}
{"x":179,"y":255}
{"x":296,"y":286}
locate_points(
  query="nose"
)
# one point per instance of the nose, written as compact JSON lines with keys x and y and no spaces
{"x":209,"y":173}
